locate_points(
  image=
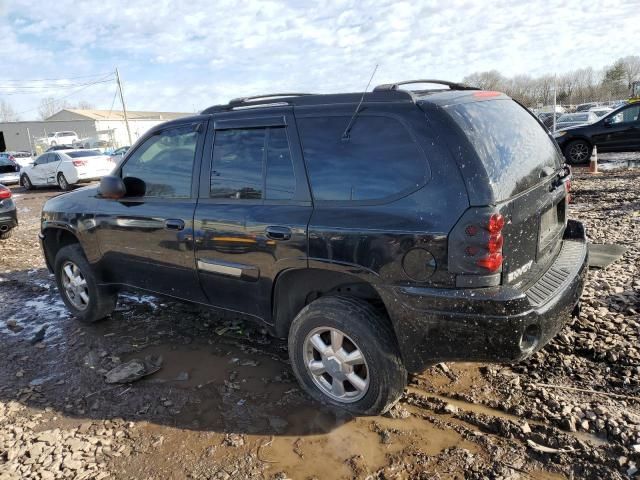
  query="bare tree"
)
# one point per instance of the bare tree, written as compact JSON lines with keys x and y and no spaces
{"x":7,"y":113}
{"x":84,"y":105}
{"x":631,"y":68}
{"x":492,"y":80}
{"x":49,"y":106}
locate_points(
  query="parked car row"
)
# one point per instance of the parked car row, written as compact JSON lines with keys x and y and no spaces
{"x":66,"y":168}
{"x":617,"y":131}
{"x":8,"y":213}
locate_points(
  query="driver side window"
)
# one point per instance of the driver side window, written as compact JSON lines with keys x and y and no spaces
{"x":627,"y":115}
{"x":164,"y":162}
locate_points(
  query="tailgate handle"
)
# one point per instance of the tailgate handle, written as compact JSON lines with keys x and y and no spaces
{"x":546,"y":171}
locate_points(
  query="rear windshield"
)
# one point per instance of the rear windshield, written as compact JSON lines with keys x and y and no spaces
{"x":84,"y":153}
{"x":513,"y":147}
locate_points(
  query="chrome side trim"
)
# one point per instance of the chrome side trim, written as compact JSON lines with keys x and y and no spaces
{"x":221,"y":269}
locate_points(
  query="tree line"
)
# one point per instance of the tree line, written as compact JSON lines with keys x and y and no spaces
{"x":47,"y":107}
{"x":572,"y":88}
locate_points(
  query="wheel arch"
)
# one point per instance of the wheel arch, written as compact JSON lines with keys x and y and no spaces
{"x":53,"y":239}
{"x":296,"y":288}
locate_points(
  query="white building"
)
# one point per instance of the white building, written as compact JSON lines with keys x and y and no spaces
{"x":96,"y":124}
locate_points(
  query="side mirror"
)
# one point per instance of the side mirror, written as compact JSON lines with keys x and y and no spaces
{"x":607,"y":122}
{"x":112,"y":186}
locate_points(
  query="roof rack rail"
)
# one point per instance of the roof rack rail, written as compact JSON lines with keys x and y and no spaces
{"x":451,"y":85}
{"x":270,"y":96}
{"x":254,"y":102}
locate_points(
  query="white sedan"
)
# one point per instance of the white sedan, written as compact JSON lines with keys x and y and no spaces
{"x":66,"y":168}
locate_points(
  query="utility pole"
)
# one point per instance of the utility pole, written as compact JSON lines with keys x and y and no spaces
{"x":124,"y":108}
{"x":554,"y":104}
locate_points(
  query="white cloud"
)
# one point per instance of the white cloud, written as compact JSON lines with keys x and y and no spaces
{"x":174,"y":55}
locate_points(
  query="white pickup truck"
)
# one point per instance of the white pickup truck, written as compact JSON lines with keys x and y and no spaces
{"x":59,"y":138}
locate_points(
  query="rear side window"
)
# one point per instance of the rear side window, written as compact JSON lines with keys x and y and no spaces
{"x":252,"y":163}
{"x":379,"y":160}
{"x":513,"y":147}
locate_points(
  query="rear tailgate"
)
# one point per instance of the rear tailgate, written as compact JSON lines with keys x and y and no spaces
{"x":516,"y":168}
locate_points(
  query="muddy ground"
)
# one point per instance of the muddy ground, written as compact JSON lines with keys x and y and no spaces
{"x":225,"y":404}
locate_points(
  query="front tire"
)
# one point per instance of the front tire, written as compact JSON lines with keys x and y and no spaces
{"x":344,"y":353}
{"x":63,"y":183}
{"x":85,"y":299}
{"x":578,"y":152}
{"x":26,"y":183}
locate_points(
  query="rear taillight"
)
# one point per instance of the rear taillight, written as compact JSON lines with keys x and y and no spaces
{"x":4,"y":192}
{"x":475,"y":248}
{"x":491,"y":247}
{"x":79,"y":163}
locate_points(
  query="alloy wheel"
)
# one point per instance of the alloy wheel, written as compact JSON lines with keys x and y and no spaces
{"x":336,"y":364}
{"x":578,"y":152}
{"x":75,"y":285}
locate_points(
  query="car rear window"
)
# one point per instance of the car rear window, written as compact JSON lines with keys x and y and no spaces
{"x":513,"y":147}
{"x":84,"y":153}
{"x":380,"y":159}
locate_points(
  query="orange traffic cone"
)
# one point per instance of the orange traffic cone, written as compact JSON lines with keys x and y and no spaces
{"x":593,"y":163}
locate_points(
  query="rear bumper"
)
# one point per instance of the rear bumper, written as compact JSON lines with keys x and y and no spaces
{"x":8,"y":215}
{"x":496,"y":324}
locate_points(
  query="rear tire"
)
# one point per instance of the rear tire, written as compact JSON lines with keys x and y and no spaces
{"x":26,"y":183}
{"x":578,"y":152}
{"x":360,"y":369}
{"x":63,"y":183}
{"x":7,"y":234}
{"x":85,"y":299}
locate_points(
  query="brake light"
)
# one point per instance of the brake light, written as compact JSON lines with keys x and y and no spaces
{"x":567,"y":188}
{"x":486,"y":94}
{"x":79,"y":163}
{"x":491,"y":262}
{"x":495,"y":243}
{"x":4,"y":193}
{"x":496,"y":222}
{"x":12,"y":158}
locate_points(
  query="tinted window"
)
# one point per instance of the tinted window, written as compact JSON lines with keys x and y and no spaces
{"x":281,"y":181}
{"x":165,"y":163}
{"x":238,"y":162}
{"x":84,"y":153}
{"x":512,"y":146}
{"x":380,"y":158}
{"x":627,"y":115}
{"x":4,"y":161}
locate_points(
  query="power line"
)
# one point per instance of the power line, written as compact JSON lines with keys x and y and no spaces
{"x":43,"y":91}
{"x":66,"y":96}
{"x":23,"y":80}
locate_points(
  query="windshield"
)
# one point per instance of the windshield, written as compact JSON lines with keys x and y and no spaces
{"x":84,"y":153}
{"x":513,"y":147}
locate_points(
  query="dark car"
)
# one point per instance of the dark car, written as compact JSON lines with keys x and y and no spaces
{"x":379,"y":232}
{"x":619,"y":131}
{"x":8,"y":214}
{"x":547,"y":118}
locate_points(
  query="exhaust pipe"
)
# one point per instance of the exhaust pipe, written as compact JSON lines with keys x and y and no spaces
{"x":4,"y":228}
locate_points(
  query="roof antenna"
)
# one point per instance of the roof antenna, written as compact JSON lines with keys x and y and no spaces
{"x":346,"y":135}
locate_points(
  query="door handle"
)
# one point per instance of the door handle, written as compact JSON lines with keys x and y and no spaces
{"x":174,"y":224}
{"x":278,"y":233}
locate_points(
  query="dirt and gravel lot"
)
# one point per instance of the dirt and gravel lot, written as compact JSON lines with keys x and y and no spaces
{"x":224,"y":404}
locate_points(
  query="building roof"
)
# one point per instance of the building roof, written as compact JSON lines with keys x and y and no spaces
{"x":80,"y":114}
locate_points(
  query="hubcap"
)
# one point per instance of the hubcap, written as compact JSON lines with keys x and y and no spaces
{"x":75,"y":285}
{"x":578,"y":152}
{"x":63,"y":182}
{"x":336,"y":364}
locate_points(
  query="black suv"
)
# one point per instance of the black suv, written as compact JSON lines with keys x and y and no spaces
{"x":380,"y":232}
{"x":618,"y":131}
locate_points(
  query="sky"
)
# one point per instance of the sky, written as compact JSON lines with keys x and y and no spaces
{"x":187,"y":55}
